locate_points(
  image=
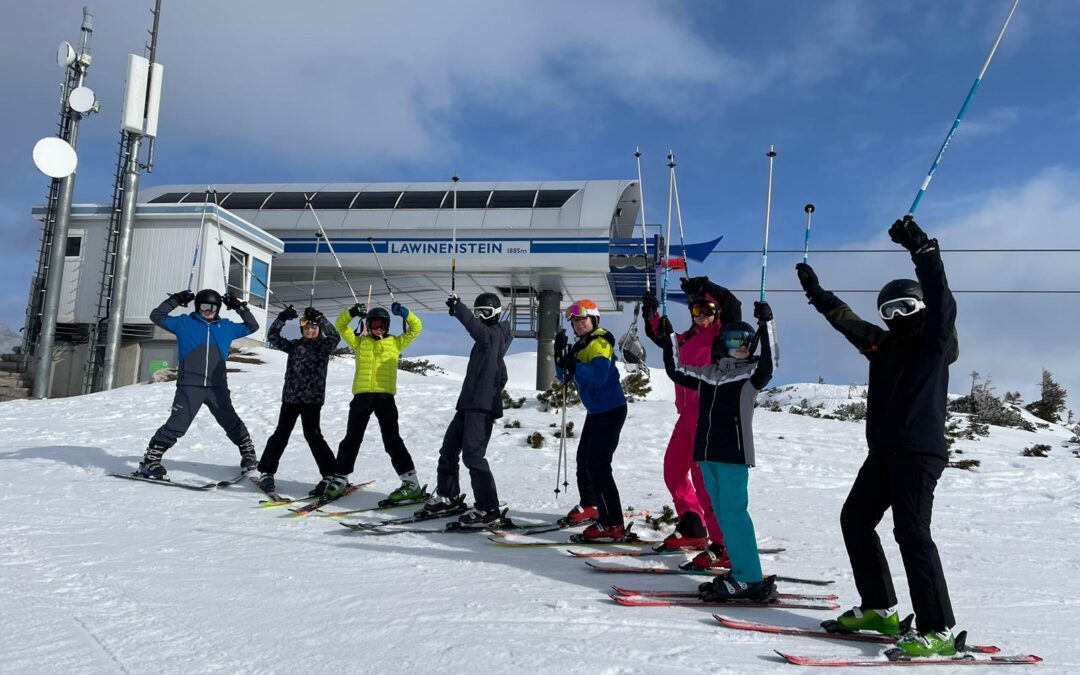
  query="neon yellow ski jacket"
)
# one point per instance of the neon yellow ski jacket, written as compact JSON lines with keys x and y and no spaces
{"x":377,"y":360}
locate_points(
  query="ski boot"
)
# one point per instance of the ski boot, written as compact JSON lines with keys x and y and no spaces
{"x":884,"y":621}
{"x":266,"y":483}
{"x":248,"y":461}
{"x":598,"y":532}
{"x":931,"y":643}
{"x":580,"y":515}
{"x":336,"y":487}
{"x":727,"y":587}
{"x":477,"y":517}
{"x":320,"y":487}
{"x":150,"y":466}
{"x":437,"y":505}
{"x":409,"y":493}
{"x":689,"y":533}
{"x":713,"y":557}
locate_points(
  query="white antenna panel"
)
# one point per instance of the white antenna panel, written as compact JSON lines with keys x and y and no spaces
{"x":134,"y":108}
{"x":153,"y":101}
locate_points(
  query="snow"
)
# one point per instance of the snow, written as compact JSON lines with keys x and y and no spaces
{"x":101,"y":575}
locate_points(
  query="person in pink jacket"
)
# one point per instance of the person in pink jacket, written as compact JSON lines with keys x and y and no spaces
{"x":711,"y":306}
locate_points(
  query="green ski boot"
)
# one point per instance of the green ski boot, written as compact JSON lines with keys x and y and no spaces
{"x":884,"y":621}
{"x":409,"y":493}
{"x":930,"y":643}
{"x":336,"y":487}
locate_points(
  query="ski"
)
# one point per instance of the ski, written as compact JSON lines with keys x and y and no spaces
{"x":273,"y":498}
{"x":642,"y":601}
{"x":511,"y":539}
{"x":564,"y":524}
{"x":625,"y":569}
{"x":648,"y":593}
{"x":370,"y":509}
{"x":201,"y":487}
{"x":966,"y":659}
{"x":322,"y":501}
{"x":740,"y":624}
{"x":453,"y":527}
{"x":417,"y":517}
{"x":651,"y":552}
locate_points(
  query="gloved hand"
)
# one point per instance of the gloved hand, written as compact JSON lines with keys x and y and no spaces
{"x":398,"y":309}
{"x":807,"y":278}
{"x":762,"y":312}
{"x":694,"y":285}
{"x":358,"y":310}
{"x":560,"y":344}
{"x":452,"y":302}
{"x":311,"y":315}
{"x":182,"y":298}
{"x":568,"y":363}
{"x":232,"y":302}
{"x":649,"y":305}
{"x":908,"y":234}
{"x":664,"y":327}
{"x":287,"y":314}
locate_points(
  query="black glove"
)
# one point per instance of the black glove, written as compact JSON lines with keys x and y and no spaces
{"x":694,"y":285}
{"x":762,"y":312}
{"x":398,"y":309}
{"x":649,"y":305}
{"x":452,"y":302}
{"x":664,"y":328}
{"x":311,"y":315}
{"x":807,"y":278}
{"x":358,"y":310}
{"x":182,"y":298}
{"x":287,"y":314}
{"x":908,"y":234}
{"x":560,"y":344}
{"x":232,"y":302}
{"x":568,"y":363}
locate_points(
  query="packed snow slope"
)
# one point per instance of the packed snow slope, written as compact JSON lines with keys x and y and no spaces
{"x":102,"y":575}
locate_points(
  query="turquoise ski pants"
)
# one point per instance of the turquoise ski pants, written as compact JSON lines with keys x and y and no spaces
{"x":726,"y":484}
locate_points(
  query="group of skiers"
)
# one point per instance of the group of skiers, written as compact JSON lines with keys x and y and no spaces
{"x":707,"y":461}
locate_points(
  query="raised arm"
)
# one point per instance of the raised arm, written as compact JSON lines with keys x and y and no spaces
{"x":863,"y":334}
{"x":474,"y":326}
{"x":160,"y":314}
{"x":766,"y":338}
{"x":273,"y":335}
{"x":341,"y":323}
{"x":413,"y":326}
{"x":939,"y":328}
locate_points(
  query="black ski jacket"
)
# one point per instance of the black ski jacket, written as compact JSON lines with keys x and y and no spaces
{"x":909,"y":376}
{"x":727,"y":391}
{"x":485,"y":376}
{"x":305,"y":372}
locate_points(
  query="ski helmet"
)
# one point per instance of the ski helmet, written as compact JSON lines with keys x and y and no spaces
{"x":733,"y":336}
{"x":899,"y":288}
{"x":583,"y":308}
{"x":487,"y":306}
{"x":378,"y":314}
{"x":900,"y":304}
{"x":207,"y":296}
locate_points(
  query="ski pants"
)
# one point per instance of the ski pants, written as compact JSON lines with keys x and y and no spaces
{"x":466,"y":439}
{"x":727,"y":485}
{"x":309,"y":414}
{"x":905,"y":483}
{"x":596,"y":484}
{"x":360,"y":410}
{"x":185,"y":406}
{"x":683,"y":478}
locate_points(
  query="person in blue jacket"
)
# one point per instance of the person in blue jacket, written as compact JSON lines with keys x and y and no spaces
{"x":202,"y":343}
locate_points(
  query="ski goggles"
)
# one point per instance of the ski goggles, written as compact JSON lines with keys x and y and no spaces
{"x":581,"y":309}
{"x":702,"y":308}
{"x":900,"y":307}
{"x":207,"y":307}
{"x":378,"y":323}
{"x":738,"y":340}
{"x":485,"y":313}
{"x":304,"y":323}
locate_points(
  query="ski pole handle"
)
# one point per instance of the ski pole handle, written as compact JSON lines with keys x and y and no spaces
{"x":809,"y":208}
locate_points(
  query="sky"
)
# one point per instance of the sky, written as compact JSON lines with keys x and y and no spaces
{"x":856,"y":97}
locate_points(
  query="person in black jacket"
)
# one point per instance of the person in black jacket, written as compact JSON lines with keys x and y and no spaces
{"x":905,"y":432}
{"x":478,"y":406}
{"x":304,"y":391}
{"x":724,"y":442}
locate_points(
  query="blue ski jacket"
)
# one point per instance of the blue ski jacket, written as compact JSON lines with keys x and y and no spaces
{"x":202,"y":346}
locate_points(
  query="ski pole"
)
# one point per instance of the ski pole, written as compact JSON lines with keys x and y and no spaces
{"x":330,"y":246}
{"x":644,"y":240}
{"x":198,"y":242}
{"x":371,"y":242}
{"x":809,"y":208}
{"x":221,"y":242}
{"x":314,"y":269}
{"x":453,"y":247}
{"x":771,"y":154}
{"x":560,"y":463}
{"x":960,"y":115}
{"x":667,"y":243}
{"x":678,"y":214}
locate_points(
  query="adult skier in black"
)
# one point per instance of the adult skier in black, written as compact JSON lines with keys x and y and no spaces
{"x":478,"y":406}
{"x":202,"y":343}
{"x":304,"y":391}
{"x":905,"y":432}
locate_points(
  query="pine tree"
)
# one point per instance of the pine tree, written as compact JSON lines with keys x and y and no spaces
{"x":1052,"y":402}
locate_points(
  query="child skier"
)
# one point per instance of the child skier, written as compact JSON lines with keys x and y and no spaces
{"x":304,"y":391}
{"x":905,"y":432}
{"x":591,"y":364}
{"x":202,"y":343}
{"x":711,"y":306}
{"x":478,"y":406}
{"x":724,"y":442}
{"x":374,"y":387}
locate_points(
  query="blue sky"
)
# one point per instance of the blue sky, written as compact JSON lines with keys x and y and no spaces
{"x":856,"y":96}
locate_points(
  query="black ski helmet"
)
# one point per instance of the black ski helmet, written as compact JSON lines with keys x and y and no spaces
{"x":487,"y":300}
{"x":719,"y":349}
{"x":208,"y":296}
{"x":899,"y":288}
{"x":378,"y":313}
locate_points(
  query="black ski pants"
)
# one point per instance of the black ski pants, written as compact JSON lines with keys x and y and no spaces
{"x":360,"y":410}
{"x":905,"y":483}
{"x":185,"y":406}
{"x":467,"y":438}
{"x":596,"y":484}
{"x":309,"y":414}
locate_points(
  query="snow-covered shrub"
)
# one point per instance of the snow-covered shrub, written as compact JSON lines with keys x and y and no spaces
{"x":569,"y":431}
{"x":636,"y":386}
{"x":535,"y":440}
{"x":552,"y":397}
{"x":421,"y":367}
{"x":1036,"y":450}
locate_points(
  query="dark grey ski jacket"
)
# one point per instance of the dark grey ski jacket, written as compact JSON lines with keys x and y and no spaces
{"x":305,"y":372}
{"x":202,"y":346}
{"x":485,"y":376}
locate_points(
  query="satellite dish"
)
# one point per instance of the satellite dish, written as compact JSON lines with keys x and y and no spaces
{"x":65,"y":54}
{"x":81,"y":99}
{"x":54,"y":157}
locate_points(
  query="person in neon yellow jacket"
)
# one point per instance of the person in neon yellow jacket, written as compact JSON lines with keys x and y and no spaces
{"x":374,"y":386}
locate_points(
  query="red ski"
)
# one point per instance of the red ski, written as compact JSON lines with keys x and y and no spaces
{"x":642,"y":601}
{"x":958,"y":660}
{"x":651,"y":552}
{"x":647,"y":593}
{"x":323,"y":501}
{"x":626,"y":569}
